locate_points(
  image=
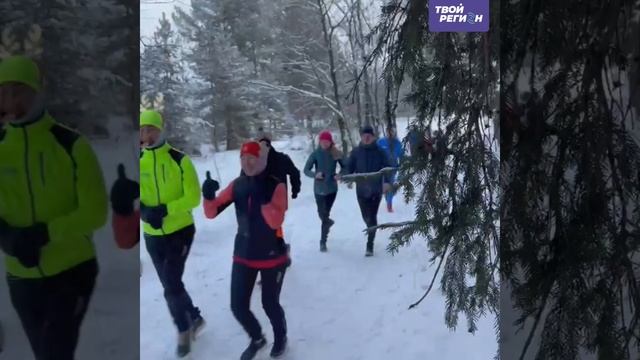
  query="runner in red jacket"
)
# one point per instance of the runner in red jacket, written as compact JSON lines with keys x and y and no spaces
{"x":260,"y":202}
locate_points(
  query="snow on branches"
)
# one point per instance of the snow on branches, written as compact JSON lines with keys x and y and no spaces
{"x":156,"y":103}
{"x":363,"y":176}
{"x":11,"y":44}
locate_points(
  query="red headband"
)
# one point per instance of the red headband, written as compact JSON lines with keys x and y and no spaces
{"x":250,"y":148}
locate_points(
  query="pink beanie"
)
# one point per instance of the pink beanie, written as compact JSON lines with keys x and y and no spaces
{"x":326,"y":135}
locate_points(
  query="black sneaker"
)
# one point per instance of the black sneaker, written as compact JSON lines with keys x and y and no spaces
{"x":369,"y":251}
{"x":253,"y":348}
{"x":184,"y":344}
{"x":323,"y":246}
{"x":197,"y":326}
{"x":288,"y":248}
{"x":279,"y":348}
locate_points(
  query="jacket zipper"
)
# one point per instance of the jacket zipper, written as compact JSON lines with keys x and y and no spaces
{"x":26,"y":164}
{"x":155,"y":175}
{"x":155,"y":178}
{"x":42,"y":168}
{"x":31,"y":197}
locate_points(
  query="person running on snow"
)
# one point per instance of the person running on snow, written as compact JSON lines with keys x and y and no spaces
{"x":366,"y":158}
{"x":260,"y":202}
{"x":53,"y":198}
{"x":325,"y":160}
{"x":280,"y":165}
{"x":169,"y":191}
{"x":395,"y":151}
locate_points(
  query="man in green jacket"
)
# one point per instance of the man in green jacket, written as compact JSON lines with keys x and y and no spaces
{"x":169,"y":191}
{"x":53,"y":198}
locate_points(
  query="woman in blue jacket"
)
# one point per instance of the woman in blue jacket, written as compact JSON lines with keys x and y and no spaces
{"x":395,"y":151}
{"x":321,"y":165}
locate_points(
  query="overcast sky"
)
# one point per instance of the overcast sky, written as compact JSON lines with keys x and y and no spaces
{"x":151,"y":11}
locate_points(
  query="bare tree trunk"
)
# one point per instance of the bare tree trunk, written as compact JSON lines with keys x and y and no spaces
{"x":388,"y":105}
{"x":309,"y":123}
{"x":397,"y":83}
{"x":134,"y":61}
{"x":376,"y":92}
{"x":354,"y":57}
{"x":231,"y":137}
{"x":216,"y":146}
{"x":358,"y":101}
{"x":376,"y":119}
{"x":328,"y":39}
{"x":254,"y":59}
{"x":368,"y":103}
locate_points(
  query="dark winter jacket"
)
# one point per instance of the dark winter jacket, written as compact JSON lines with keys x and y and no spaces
{"x":280,"y":165}
{"x":323,"y":161}
{"x":366,"y":159}
{"x":260,"y":203}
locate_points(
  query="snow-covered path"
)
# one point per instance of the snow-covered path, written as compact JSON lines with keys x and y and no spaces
{"x":339,"y":305}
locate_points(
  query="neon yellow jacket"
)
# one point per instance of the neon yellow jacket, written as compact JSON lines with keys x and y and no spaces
{"x":167,"y":176}
{"x":50,"y":174}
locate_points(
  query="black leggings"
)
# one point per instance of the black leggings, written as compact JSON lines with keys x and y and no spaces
{"x":169,"y":254}
{"x":52,"y":309}
{"x":369,"y":209}
{"x":243,"y":279}
{"x":324,"y":204}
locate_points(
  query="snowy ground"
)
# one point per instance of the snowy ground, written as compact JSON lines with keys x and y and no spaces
{"x":111,"y":328}
{"x":339,"y":305}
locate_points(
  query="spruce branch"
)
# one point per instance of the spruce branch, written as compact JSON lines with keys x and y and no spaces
{"x":433,"y":279}
{"x":368,"y":175}
{"x":536,"y":323}
{"x":390,"y":226}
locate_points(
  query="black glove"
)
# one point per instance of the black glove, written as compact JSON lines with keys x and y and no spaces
{"x":24,"y":243}
{"x":294,"y":195}
{"x":209,"y":187}
{"x":123,"y":193}
{"x":153,"y":215}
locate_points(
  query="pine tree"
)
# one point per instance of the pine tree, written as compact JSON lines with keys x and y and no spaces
{"x":455,"y":183}
{"x":222,"y":69}
{"x":162,"y":74}
{"x":301,"y":57}
{"x":85,"y":57}
{"x":571,"y":158}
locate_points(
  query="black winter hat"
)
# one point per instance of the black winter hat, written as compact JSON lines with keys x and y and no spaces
{"x":367,"y":129}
